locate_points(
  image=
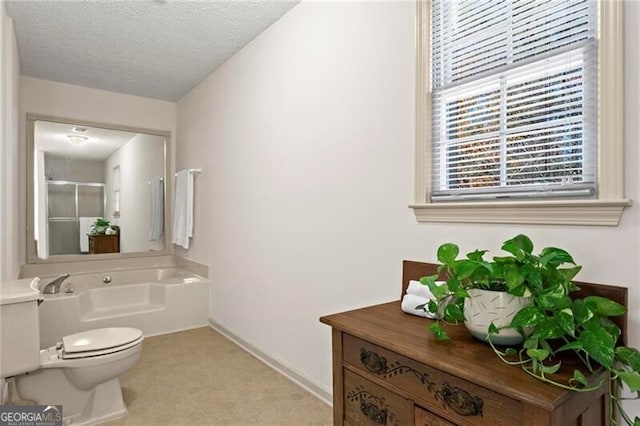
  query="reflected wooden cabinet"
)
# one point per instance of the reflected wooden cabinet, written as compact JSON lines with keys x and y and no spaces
{"x":104,"y":244}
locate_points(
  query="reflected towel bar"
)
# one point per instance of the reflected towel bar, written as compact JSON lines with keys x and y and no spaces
{"x":192,"y":171}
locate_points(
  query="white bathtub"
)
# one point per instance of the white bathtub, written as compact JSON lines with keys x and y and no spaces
{"x":157,"y":301}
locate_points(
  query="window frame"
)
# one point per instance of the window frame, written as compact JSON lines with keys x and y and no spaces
{"x":115,"y":176}
{"x":605,"y":210}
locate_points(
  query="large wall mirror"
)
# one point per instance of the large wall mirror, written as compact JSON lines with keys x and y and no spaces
{"x":95,"y":189}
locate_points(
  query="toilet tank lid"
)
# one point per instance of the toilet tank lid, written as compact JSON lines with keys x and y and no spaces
{"x":18,"y":291}
{"x":101,"y":338}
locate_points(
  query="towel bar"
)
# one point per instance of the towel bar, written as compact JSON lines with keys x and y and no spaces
{"x":192,"y":171}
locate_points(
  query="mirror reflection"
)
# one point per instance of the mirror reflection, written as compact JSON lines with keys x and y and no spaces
{"x":97,"y":190}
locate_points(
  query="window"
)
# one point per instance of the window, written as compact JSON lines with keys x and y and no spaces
{"x":116,"y":191}
{"x":510,"y":120}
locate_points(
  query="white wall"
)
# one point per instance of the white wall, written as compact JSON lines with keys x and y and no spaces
{"x":9,"y":153}
{"x":140,"y":160}
{"x":306,"y":138}
{"x":81,"y":103}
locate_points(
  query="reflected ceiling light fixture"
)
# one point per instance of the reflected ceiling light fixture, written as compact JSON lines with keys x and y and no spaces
{"x":77,"y":140}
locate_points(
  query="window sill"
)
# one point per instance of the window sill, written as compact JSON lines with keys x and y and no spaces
{"x":590,"y":212}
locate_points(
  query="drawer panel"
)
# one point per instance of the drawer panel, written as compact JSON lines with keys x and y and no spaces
{"x":367,"y":404}
{"x":425,"y":418}
{"x":450,"y":397}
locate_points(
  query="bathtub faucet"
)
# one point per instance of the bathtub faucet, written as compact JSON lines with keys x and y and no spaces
{"x":54,"y":285}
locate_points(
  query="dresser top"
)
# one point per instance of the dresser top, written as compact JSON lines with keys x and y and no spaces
{"x":386,"y":325}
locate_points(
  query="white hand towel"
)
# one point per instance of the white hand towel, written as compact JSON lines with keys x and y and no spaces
{"x":409,"y":303}
{"x":183,"y":209}
{"x":156,"y":197}
{"x":85,"y":228}
{"x":419,"y":289}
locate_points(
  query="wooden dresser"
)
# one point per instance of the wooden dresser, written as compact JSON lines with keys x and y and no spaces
{"x":388,"y":369}
{"x":101,"y":243}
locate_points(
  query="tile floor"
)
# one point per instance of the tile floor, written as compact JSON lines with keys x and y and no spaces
{"x":198,"y":377}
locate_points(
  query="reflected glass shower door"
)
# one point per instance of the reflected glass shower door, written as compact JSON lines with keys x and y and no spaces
{"x":63,"y":224}
{"x":67,"y":201}
{"x":91,"y":204}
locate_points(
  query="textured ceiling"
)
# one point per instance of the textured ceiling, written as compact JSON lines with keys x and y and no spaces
{"x":157,"y":49}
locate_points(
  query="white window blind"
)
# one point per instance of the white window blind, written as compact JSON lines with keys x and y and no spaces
{"x":514,"y":99}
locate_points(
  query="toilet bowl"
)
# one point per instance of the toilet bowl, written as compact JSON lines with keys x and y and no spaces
{"x":81,"y":373}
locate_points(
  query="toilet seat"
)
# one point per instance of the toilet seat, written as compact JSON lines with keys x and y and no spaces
{"x":89,"y":354}
{"x":100,"y":341}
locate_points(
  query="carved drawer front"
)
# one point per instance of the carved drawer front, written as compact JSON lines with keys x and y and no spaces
{"x":367,"y":404}
{"x":425,"y":418}
{"x":452,"y":398}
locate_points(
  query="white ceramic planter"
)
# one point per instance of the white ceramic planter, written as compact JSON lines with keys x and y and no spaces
{"x":484,"y":307}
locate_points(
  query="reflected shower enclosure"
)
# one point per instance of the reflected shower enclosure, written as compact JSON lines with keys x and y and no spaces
{"x":68,"y":202}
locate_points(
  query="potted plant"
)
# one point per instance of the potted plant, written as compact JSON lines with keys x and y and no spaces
{"x":550,"y":322}
{"x":100,"y":226}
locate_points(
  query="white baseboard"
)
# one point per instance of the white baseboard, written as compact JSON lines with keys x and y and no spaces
{"x":319,"y":391}
{"x":177,"y":330}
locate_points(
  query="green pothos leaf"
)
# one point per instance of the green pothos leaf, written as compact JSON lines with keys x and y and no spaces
{"x":569,"y":273}
{"x":530,"y":343}
{"x":581,"y":312}
{"x":438,"y":331}
{"x":545,"y":344}
{"x":605,"y":307}
{"x":599,"y":344}
{"x":476,"y":255}
{"x":493,"y":329}
{"x":556,"y":256}
{"x":564,"y":318}
{"x":547,"y":328}
{"x":545,"y":302}
{"x":488,"y":266}
{"x":519,"y":290}
{"x":513,"y":276}
{"x":527,"y":316}
{"x":579,"y":377}
{"x":534,"y":365}
{"x":563,"y":302}
{"x":545,"y":258}
{"x":510,"y":351}
{"x":438,"y":291}
{"x":538,"y":354}
{"x":465,"y":268}
{"x":574,"y":345}
{"x":447,"y":253}
{"x":432,"y":307}
{"x":629,"y":356}
{"x":460,"y":293}
{"x":550,"y":369}
{"x":519,"y":246}
{"x":534,"y":277}
{"x":429,"y":279}
{"x":453,"y":312}
{"x":631,"y":379}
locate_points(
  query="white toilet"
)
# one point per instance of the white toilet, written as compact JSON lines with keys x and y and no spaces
{"x":81,"y":373}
